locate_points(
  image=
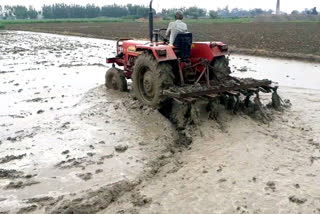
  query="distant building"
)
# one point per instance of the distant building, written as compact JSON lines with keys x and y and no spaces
{"x":278,"y":7}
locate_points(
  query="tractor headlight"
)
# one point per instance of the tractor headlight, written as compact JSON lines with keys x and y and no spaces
{"x":161,"y":52}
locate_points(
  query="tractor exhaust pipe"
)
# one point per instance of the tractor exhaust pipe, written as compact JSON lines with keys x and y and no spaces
{"x":151,"y":22}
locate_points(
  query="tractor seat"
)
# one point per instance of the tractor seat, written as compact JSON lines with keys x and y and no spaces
{"x":182,"y":46}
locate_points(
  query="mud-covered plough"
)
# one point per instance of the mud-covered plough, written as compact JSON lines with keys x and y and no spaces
{"x":233,"y":87}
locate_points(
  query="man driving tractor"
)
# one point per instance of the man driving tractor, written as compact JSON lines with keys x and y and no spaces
{"x":176,"y":27}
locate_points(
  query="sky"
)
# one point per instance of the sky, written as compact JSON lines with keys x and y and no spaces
{"x":286,"y":5}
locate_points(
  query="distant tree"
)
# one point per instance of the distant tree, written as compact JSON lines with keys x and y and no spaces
{"x":132,"y":9}
{"x":114,"y":11}
{"x":224,"y":12}
{"x":269,"y":11}
{"x":257,"y":12}
{"x":171,"y":12}
{"x":92,"y":11}
{"x":142,"y":12}
{"x":32,"y":13}
{"x":47,"y":12}
{"x":213,"y":14}
{"x":294,"y":12}
{"x":20,"y":12}
{"x":1,"y":12}
{"x":195,"y":12}
{"x":7,"y":12}
{"x":314,"y":11}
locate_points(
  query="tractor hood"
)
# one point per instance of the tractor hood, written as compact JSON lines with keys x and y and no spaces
{"x":161,"y":51}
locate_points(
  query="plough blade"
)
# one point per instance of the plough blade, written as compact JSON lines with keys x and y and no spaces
{"x":232,"y":87}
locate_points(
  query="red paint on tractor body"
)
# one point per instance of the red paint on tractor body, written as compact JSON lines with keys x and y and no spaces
{"x":129,"y":50}
{"x":206,"y":50}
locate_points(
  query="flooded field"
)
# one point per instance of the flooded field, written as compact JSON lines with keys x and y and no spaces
{"x":282,"y":39}
{"x":69,"y":145}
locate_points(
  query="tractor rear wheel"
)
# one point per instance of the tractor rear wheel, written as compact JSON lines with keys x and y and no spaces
{"x":220,"y":68}
{"x":116,"y":80}
{"x":149,"y":80}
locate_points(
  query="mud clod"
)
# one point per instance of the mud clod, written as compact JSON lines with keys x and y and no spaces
{"x":10,"y":174}
{"x":65,"y":152}
{"x":20,"y":184}
{"x":39,"y":200}
{"x":96,"y":200}
{"x":85,"y":176}
{"x":40,"y":111}
{"x":75,"y":163}
{"x":271,"y":186}
{"x":185,"y":118}
{"x":99,"y":171}
{"x":9,"y":158}
{"x":296,"y":200}
{"x":27,"y":209}
{"x":222,"y":180}
{"x":121,"y":148}
{"x":140,"y":200}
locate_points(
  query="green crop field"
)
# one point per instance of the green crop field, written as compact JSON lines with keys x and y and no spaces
{"x":4,"y":23}
{"x":39,"y":21}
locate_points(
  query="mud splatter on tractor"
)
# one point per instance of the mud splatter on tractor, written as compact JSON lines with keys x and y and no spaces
{"x":183,"y":72}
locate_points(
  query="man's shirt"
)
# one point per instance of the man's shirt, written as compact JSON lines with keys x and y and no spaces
{"x":174,"y":29}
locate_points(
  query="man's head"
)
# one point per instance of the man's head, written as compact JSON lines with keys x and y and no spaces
{"x":179,"y":15}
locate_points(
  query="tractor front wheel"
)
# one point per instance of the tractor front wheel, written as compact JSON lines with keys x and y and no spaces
{"x":116,"y":80}
{"x":149,"y":80}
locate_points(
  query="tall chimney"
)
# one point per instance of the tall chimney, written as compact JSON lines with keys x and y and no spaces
{"x":278,"y":7}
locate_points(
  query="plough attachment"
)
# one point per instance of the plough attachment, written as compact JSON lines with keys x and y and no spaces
{"x":230,"y":88}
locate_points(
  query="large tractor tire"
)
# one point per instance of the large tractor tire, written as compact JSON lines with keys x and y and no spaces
{"x":220,"y":68}
{"x":150,"y":79}
{"x":116,"y":80}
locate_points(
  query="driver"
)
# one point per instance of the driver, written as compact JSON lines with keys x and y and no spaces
{"x":176,"y":27}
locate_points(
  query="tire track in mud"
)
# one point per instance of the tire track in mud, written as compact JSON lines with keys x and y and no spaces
{"x":186,"y":121}
{"x":95,"y":201}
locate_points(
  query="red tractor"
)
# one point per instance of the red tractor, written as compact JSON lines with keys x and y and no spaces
{"x":184,"y":72}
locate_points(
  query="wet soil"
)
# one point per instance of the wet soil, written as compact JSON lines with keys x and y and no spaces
{"x":63,"y":129}
{"x":86,"y":149}
{"x":240,"y":165}
{"x":282,"y":39}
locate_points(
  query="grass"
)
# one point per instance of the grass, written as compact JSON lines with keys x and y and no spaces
{"x":220,"y":20}
{"x":3,"y":23}
{"x":37,"y":21}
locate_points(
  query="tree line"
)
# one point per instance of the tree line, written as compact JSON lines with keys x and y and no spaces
{"x":59,"y":11}
{"x":18,"y":12}
{"x":312,"y":11}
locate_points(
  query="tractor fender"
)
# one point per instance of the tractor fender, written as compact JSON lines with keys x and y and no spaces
{"x":160,"y":52}
{"x":206,"y":50}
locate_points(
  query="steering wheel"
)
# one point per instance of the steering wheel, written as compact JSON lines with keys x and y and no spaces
{"x":162,"y":37}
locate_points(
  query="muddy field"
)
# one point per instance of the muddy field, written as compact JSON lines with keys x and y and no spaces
{"x":69,"y":145}
{"x":289,"y":40}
